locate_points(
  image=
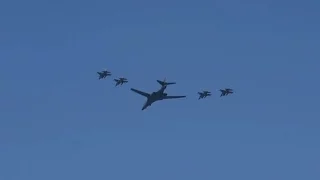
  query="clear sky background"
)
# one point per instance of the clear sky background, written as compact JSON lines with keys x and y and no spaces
{"x":59,"y":122}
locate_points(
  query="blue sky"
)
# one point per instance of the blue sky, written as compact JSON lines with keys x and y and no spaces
{"x":58,"y":121}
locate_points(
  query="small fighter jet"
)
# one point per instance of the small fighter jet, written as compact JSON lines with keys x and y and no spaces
{"x":155,"y":96}
{"x":104,"y":74}
{"x":226,"y":91}
{"x":204,"y":94}
{"x":120,"y":81}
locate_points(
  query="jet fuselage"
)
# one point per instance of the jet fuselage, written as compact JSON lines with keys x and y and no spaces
{"x":155,"y":96}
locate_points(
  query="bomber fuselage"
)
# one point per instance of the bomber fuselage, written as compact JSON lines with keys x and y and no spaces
{"x":155,"y":96}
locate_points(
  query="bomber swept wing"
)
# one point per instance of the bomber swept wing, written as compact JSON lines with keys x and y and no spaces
{"x":140,"y":92}
{"x":173,"y":97}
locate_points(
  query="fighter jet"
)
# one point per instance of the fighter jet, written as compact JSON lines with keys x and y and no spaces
{"x":120,"y":81}
{"x":204,"y":94}
{"x":104,"y":74}
{"x":155,"y":96}
{"x":226,"y":91}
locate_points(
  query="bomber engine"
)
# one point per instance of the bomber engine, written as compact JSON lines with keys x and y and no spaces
{"x":165,"y":94}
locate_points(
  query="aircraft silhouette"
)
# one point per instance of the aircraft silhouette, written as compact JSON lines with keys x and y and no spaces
{"x":226,"y":91}
{"x":120,"y":81}
{"x":204,"y":94}
{"x":156,"y":96}
{"x":104,"y":74}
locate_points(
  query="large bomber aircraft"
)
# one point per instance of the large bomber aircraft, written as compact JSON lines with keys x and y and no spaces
{"x":121,"y":81}
{"x":104,"y":74}
{"x":226,"y":91}
{"x":204,"y":94}
{"x":156,"y":96}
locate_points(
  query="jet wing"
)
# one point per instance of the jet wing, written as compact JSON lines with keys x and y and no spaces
{"x":140,"y":92}
{"x":173,"y":97}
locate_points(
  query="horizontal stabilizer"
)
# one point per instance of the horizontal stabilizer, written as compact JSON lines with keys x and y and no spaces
{"x":162,"y":83}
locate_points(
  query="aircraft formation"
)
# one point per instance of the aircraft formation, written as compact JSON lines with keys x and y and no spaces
{"x":159,"y":94}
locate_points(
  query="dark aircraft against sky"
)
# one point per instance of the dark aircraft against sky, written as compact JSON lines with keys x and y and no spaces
{"x":159,"y":94}
{"x":155,"y":96}
{"x":204,"y":94}
{"x":103,"y":74}
{"x":121,"y":81}
{"x":226,"y":91}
